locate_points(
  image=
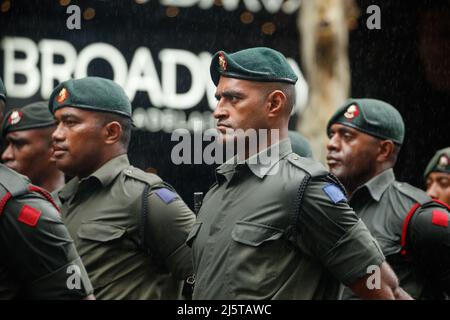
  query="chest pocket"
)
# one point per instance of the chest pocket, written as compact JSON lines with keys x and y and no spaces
{"x":100,"y":232}
{"x":256,"y":259}
{"x":253,"y":234}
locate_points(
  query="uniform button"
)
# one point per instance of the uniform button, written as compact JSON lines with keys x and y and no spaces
{"x":295,"y":158}
{"x":128,"y":171}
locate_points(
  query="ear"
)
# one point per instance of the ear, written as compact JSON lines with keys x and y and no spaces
{"x":276,"y":103}
{"x":386,"y":149}
{"x":113,"y":132}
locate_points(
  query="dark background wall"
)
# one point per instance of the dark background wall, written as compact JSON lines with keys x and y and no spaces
{"x":405,"y":63}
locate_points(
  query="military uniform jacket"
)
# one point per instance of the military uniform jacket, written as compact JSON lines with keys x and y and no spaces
{"x":251,"y":240}
{"x":38,"y":259}
{"x":383,"y":204}
{"x":103,"y":213}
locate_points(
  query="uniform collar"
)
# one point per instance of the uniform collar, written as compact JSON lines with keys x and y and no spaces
{"x":105,"y":175}
{"x":257,"y":167}
{"x":378,"y":184}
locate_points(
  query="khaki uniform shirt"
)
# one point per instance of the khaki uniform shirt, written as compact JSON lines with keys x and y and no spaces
{"x":249,"y":243}
{"x":38,"y":259}
{"x":103,"y":212}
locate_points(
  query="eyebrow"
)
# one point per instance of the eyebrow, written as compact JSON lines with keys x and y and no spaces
{"x":230,"y":94}
{"x":67,"y":116}
{"x":14,"y":140}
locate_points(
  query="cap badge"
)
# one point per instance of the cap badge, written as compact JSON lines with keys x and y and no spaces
{"x":443,"y":161}
{"x":352,"y":112}
{"x":62,"y":96}
{"x":222,"y":61}
{"x":15,"y":117}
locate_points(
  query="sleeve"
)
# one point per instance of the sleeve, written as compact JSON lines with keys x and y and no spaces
{"x":330,"y":230}
{"x":43,"y":256}
{"x":429,"y":243}
{"x":169,"y":222}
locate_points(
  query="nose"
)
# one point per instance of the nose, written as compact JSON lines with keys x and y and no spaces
{"x":333,"y":143}
{"x":58,"y":134}
{"x":433,"y":191}
{"x":8,"y":154}
{"x":220,"y":111}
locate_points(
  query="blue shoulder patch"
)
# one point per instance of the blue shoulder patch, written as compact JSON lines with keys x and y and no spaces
{"x":166,"y":195}
{"x":334,"y":193}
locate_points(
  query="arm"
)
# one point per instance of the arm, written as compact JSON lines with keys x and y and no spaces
{"x":44,"y":257}
{"x":331,"y":231}
{"x":169,"y":222}
{"x":389,"y":288}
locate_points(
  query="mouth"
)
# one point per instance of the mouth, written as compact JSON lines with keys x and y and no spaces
{"x":331,"y":161}
{"x":58,"y":152}
{"x":10,"y":165}
{"x":223,"y":128}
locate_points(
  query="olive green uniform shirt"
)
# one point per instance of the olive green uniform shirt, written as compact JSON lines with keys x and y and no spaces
{"x":38,"y":259}
{"x":383,"y":204}
{"x":244,"y":246}
{"x":103,"y":212}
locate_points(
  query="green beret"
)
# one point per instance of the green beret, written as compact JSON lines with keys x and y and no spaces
{"x":300,"y":145}
{"x":2,"y":91}
{"x":91,"y":93}
{"x":374,"y":117}
{"x":33,"y":116}
{"x":255,"y":64}
{"x":439,"y":163}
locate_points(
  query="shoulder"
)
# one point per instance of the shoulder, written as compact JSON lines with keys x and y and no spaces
{"x":307,"y":165}
{"x":137,"y":174}
{"x":12,"y":182}
{"x":411,"y":192}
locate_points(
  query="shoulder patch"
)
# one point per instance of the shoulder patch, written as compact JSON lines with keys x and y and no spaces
{"x":439,"y":218}
{"x":334,"y":193}
{"x":29,"y":215}
{"x":166,"y":195}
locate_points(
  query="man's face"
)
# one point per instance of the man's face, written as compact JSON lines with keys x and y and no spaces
{"x":28,"y":152}
{"x":241,"y":104}
{"x":438,"y":186}
{"x":77,"y":141}
{"x":351,"y":155}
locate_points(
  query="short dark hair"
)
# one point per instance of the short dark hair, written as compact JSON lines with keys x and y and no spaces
{"x":125,"y":122}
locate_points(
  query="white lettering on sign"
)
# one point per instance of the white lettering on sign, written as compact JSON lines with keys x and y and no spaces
{"x":24,"y":76}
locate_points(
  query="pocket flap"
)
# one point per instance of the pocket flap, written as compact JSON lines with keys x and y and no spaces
{"x":254,"y":234}
{"x":100,"y":231}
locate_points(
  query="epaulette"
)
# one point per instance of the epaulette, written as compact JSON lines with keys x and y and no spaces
{"x":147,"y":178}
{"x":12,"y":182}
{"x":312,"y":167}
{"x":412,"y":192}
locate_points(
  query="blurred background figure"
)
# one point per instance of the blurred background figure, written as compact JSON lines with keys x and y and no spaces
{"x":27,"y":132}
{"x":300,"y":145}
{"x":437,"y":176}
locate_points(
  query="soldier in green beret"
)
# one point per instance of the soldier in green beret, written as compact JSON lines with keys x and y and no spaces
{"x":283,"y":230}
{"x":437,"y":176}
{"x":129,"y":226}
{"x":300,"y":145}
{"x":412,"y":230}
{"x":28,"y":134}
{"x":38,"y":259}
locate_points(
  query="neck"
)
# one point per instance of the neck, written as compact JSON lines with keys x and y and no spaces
{"x":351,"y":186}
{"x":53,"y":180}
{"x":269,"y":138}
